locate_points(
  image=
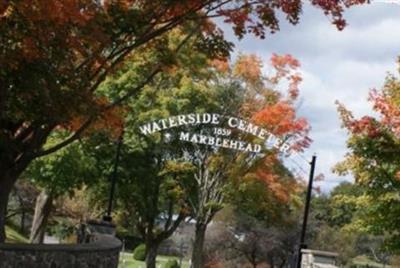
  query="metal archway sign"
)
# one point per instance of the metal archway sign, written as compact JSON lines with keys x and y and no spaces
{"x":220,"y":134}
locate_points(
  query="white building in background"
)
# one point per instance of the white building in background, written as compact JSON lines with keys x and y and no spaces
{"x":318,"y":259}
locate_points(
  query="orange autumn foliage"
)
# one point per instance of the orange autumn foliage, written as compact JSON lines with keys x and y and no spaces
{"x":248,"y":68}
{"x":110,"y":121}
{"x":55,"y":53}
{"x":387,"y":104}
{"x":275,"y":111}
{"x":285,"y":67}
{"x":366,"y":125}
{"x":280,"y":119}
{"x":280,"y":185}
{"x":280,"y":63}
{"x":273,"y":183}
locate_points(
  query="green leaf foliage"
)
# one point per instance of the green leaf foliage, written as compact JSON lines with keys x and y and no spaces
{"x":171,"y":263}
{"x":139,"y":253}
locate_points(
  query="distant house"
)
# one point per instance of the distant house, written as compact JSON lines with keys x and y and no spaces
{"x":318,"y":259}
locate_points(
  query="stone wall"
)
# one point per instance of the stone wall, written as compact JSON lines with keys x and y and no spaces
{"x":102,"y":253}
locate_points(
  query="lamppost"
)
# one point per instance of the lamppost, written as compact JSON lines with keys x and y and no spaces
{"x":92,"y":227}
{"x":306,"y":211}
{"x":113,"y":178}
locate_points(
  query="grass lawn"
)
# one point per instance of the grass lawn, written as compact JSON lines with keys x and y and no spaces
{"x":14,"y":236}
{"x":127,"y":261}
{"x":364,"y":261}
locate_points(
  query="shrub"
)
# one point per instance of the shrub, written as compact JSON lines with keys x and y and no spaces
{"x":139,"y":253}
{"x":171,"y":264}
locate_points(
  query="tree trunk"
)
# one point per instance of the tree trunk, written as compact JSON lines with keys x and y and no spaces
{"x":151,"y":254}
{"x":198,"y":244}
{"x":18,"y":147}
{"x":272,"y":262}
{"x":283,"y":263}
{"x":6,"y":184}
{"x":253,"y":260}
{"x":43,"y":207}
{"x":22,"y":222}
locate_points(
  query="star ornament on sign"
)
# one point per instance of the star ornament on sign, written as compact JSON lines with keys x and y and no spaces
{"x":167,"y":137}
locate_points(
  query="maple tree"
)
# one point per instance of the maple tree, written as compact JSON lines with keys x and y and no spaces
{"x":373,"y":160}
{"x":55,"y":53}
{"x":254,"y":97}
{"x":275,"y":111}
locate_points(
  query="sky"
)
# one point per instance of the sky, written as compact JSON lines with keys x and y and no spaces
{"x":335,"y":65}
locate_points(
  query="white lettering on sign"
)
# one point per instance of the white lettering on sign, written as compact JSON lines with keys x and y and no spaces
{"x":221,"y":132}
{"x":184,"y":136}
{"x":220,"y":142}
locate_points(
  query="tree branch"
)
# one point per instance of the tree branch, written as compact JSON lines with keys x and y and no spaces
{"x":67,"y":141}
{"x":117,"y":102}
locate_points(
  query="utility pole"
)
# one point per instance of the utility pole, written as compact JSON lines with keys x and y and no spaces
{"x":302,"y":244}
